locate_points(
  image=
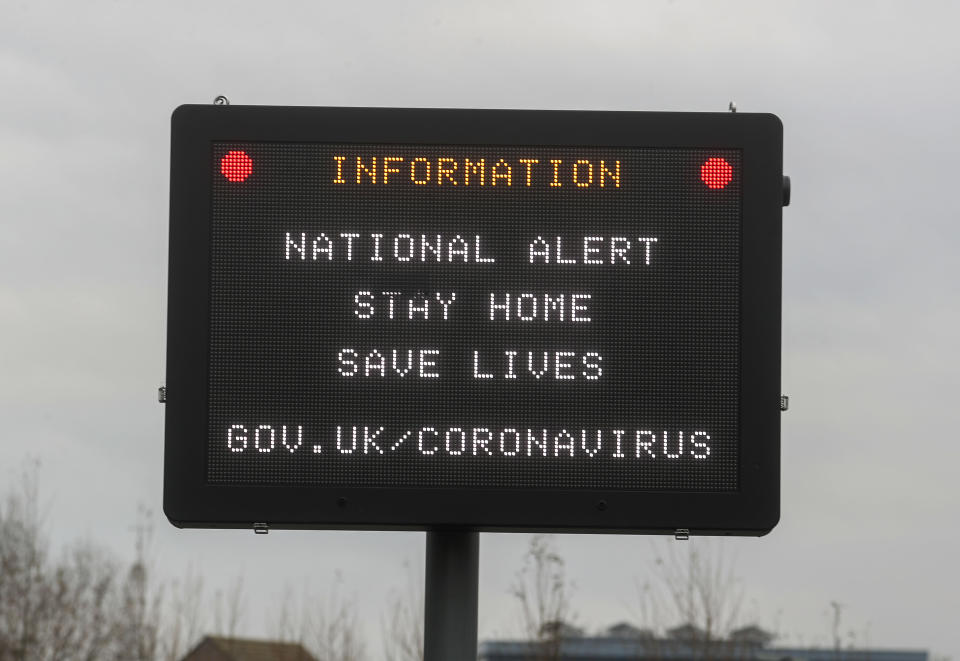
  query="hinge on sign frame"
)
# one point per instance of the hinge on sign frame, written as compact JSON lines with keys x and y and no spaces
{"x":682,"y":534}
{"x":162,"y":394}
{"x":261,"y":528}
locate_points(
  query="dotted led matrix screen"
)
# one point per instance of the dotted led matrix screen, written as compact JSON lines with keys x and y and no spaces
{"x":477,"y":316}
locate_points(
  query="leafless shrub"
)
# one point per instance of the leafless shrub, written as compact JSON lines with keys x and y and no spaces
{"x":544,"y":593}
{"x":183,"y":616}
{"x":87,"y":606}
{"x":327,"y":626}
{"x":71,"y":609}
{"x":692,"y":585}
{"x":403,"y":628}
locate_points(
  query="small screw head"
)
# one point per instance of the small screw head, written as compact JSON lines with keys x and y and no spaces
{"x":602,"y":505}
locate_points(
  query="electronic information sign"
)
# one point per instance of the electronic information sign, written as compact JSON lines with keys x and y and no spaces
{"x":502,"y":320}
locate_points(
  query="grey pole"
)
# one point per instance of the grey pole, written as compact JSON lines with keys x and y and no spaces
{"x":450,"y":600}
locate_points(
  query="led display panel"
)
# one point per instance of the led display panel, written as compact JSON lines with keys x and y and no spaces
{"x":499,"y":320}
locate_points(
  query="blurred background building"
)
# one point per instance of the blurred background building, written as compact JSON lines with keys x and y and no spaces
{"x":561,"y":642}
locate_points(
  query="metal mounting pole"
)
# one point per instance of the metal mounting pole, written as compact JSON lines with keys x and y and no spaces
{"x":450,"y":600}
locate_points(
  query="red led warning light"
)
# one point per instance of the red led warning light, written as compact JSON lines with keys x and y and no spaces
{"x":236,"y":166}
{"x":716,"y":173}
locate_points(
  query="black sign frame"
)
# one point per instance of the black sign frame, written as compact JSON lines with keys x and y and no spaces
{"x":189,"y":501}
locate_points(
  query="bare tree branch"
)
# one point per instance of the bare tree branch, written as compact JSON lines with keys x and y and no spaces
{"x":68,"y":610}
{"x":403,"y":630}
{"x":328,"y":626}
{"x":698,"y":585}
{"x":544,"y":594}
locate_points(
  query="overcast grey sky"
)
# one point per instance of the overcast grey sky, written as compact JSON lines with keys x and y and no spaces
{"x":868,"y":95}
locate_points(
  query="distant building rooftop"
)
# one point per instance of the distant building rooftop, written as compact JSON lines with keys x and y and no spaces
{"x":627,"y":630}
{"x":215,"y":648}
{"x":752,"y":635}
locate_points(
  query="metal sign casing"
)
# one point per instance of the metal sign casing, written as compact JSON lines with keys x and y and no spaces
{"x":488,"y":319}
